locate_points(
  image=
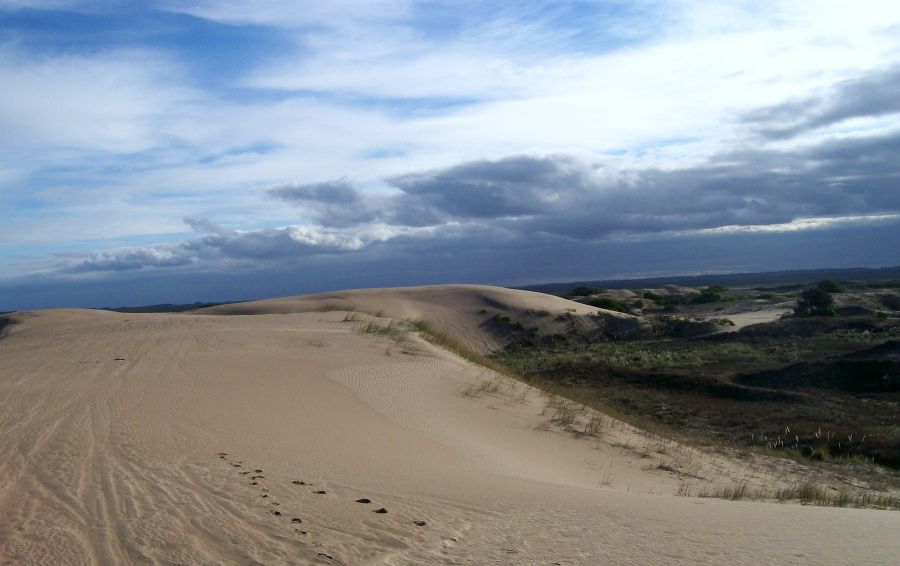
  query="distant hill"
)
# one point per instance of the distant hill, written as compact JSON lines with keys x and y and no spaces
{"x":765,"y":279}
{"x":165,"y":307}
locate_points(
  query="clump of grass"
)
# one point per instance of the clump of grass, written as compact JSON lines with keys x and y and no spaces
{"x":331,"y":307}
{"x":594,"y":425}
{"x":684,"y":490}
{"x":806,"y":493}
{"x":398,"y":333}
{"x":563,"y":412}
{"x":541,"y":313}
{"x":517,"y":394}
{"x":447,"y":342}
{"x":482,"y":387}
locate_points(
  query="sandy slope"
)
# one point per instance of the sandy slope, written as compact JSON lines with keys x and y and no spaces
{"x":460,"y":310}
{"x":112,"y":425}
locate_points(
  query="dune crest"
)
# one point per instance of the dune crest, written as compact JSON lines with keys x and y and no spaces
{"x":465,"y":312}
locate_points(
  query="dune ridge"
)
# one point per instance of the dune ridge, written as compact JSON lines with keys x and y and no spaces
{"x":462,"y":311}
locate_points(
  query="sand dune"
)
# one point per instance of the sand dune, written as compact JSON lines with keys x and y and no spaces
{"x":464,"y":311}
{"x":209,"y":438}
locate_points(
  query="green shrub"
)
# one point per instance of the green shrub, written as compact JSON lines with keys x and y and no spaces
{"x":609,"y":304}
{"x":829,"y":286}
{"x":584,"y":291}
{"x":711,"y":294}
{"x":815,"y":302}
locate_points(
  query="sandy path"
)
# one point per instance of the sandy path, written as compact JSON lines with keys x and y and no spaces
{"x":747,"y":318}
{"x":111,"y":427}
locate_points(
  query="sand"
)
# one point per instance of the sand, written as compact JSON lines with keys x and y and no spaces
{"x":760,"y":316}
{"x":137,"y":439}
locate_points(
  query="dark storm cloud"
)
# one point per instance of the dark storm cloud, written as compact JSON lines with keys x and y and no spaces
{"x":328,"y":192}
{"x":562,"y":197}
{"x":516,"y":186}
{"x":336,"y":203}
{"x":872,"y":95}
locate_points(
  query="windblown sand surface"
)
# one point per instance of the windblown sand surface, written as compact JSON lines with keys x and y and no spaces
{"x":221,"y":439}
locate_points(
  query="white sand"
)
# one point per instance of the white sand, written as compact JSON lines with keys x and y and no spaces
{"x":747,"y":318}
{"x":106,"y":461}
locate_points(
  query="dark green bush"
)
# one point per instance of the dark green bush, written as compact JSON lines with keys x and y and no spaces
{"x":608,"y":303}
{"x":815,"y":302}
{"x":584,"y":291}
{"x":829,"y":286}
{"x":711,"y":294}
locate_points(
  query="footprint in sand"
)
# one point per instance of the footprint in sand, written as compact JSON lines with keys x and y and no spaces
{"x":328,"y":556}
{"x":296,"y":520}
{"x":258,"y":471}
{"x":276,"y":513}
{"x":419,"y":523}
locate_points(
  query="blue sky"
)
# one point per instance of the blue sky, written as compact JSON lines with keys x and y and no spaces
{"x":212,"y":150}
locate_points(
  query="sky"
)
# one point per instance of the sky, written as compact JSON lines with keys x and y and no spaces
{"x":211,"y":150}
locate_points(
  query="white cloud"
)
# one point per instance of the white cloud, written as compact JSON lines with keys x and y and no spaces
{"x":799,"y":225}
{"x":117,"y":102}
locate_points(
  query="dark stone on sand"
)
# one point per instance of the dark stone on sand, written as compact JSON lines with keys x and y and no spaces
{"x":298,"y":482}
{"x":419,"y":523}
{"x":320,"y":492}
{"x":296,"y":520}
{"x":276,"y":513}
{"x":380,"y":510}
{"x":364,"y":500}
